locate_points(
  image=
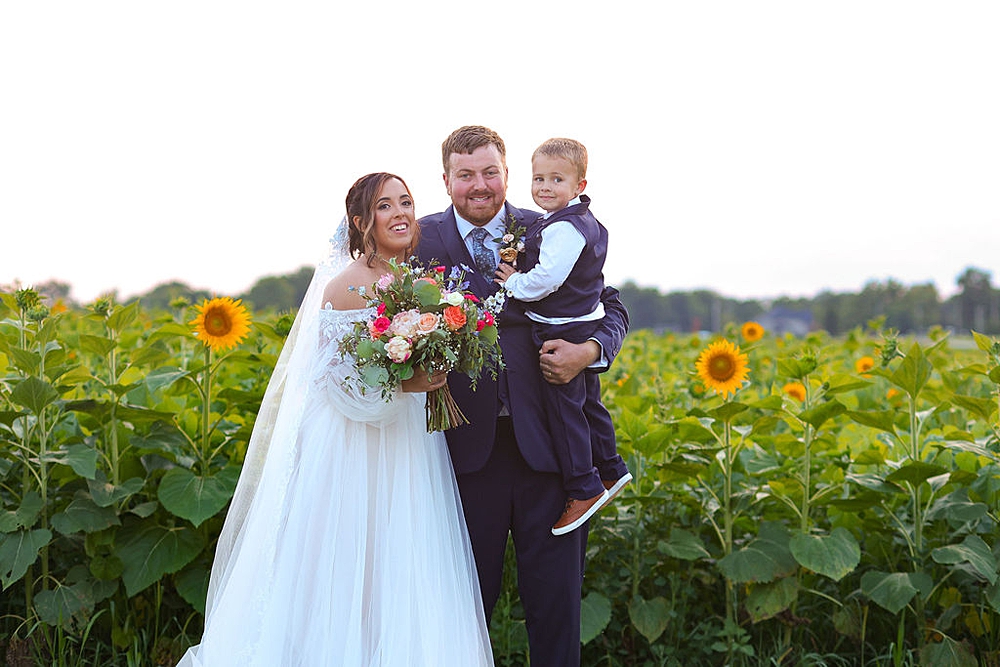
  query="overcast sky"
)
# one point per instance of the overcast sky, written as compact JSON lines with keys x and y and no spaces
{"x":757,"y":149}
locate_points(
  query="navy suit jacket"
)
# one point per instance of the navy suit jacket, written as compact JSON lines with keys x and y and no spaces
{"x":520,"y":383}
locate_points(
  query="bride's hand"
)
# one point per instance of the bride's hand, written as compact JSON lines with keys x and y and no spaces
{"x":424,"y":382}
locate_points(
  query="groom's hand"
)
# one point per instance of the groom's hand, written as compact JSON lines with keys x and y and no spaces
{"x":423,"y":381}
{"x":561,"y":361}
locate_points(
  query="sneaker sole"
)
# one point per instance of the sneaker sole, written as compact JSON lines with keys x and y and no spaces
{"x":570,"y":527}
{"x":617,"y":488}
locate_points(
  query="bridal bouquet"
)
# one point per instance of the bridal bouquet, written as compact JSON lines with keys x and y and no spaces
{"x":425,"y":320}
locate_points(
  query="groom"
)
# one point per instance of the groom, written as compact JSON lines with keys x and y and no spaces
{"x":507,"y":471}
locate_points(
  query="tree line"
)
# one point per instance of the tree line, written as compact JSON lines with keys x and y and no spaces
{"x":907,"y":309}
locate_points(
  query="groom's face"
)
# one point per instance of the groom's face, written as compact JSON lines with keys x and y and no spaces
{"x":477,"y":183}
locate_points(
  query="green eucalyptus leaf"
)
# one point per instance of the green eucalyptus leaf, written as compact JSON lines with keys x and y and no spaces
{"x":834,"y":555}
{"x":649,"y":617}
{"x":974,"y":551}
{"x":595,"y":614}
{"x":150,"y":551}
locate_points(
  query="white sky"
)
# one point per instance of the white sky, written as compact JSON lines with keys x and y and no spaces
{"x":756,"y":149}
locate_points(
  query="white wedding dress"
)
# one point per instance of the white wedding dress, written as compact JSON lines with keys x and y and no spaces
{"x":352,"y":548}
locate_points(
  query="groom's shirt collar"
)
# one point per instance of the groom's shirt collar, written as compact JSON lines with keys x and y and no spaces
{"x":494,"y":226}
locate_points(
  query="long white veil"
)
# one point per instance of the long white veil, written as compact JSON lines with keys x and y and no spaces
{"x":272,"y":442}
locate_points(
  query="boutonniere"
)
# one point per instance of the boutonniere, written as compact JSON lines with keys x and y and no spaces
{"x":512,"y":241}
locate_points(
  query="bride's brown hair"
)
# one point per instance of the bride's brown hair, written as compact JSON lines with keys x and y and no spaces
{"x":361,"y":200}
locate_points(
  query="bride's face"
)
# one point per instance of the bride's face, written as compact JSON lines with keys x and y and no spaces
{"x":395,"y":222}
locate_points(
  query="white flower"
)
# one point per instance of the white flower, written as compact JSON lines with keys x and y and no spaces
{"x":398,"y":349}
{"x":453,"y":299}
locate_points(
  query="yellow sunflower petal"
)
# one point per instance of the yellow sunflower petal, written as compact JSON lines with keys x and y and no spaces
{"x":222,"y":323}
{"x":864,"y":364}
{"x":751,"y":331}
{"x":796,"y":390}
{"x":722,"y":367}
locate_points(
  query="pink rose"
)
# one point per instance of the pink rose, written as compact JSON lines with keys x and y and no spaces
{"x":384,"y":281}
{"x":405,"y":323}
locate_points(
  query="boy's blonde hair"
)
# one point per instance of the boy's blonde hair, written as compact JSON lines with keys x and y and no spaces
{"x":569,"y":149}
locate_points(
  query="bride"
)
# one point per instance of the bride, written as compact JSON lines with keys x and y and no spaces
{"x":345,"y":542}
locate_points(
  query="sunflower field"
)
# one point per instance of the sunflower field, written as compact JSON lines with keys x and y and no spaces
{"x":796,"y":501}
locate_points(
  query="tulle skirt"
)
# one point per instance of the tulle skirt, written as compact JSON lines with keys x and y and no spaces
{"x":364,"y":562}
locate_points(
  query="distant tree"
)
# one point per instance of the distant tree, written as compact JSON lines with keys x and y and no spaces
{"x":164,"y":294}
{"x":282,"y":293}
{"x":978,"y":301}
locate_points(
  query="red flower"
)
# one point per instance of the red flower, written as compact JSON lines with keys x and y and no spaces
{"x":439,"y":269}
{"x":381,"y":308}
{"x":379,"y":326}
{"x":488,"y":319}
{"x":472,"y":297}
{"x":480,"y":325}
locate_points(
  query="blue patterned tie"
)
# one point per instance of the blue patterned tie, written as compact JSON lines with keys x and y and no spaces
{"x":486,"y":261}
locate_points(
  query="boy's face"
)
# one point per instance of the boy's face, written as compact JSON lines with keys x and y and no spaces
{"x":554,"y":182}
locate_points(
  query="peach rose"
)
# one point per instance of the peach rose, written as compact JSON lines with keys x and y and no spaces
{"x":427,"y":323}
{"x":454,"y":317}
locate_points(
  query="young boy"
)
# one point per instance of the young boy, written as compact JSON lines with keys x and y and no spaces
{"x":562,"y":281}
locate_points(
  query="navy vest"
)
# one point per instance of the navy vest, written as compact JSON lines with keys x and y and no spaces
{"x":581,"y":292}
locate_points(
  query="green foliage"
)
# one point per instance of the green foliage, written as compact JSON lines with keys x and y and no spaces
{"x":857,"y":526}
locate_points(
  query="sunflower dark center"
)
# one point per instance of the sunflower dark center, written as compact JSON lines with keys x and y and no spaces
{"x":217,"y":323}
{"x":721,"y":367}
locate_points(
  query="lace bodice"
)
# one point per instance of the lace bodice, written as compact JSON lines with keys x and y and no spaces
{"x":335,"y":324}
{"x":336,"y":374}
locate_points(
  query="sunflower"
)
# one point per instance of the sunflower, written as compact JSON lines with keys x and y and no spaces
{"x":796,"y":390}
{"x":722,"y":367}
{"x":751,"y":331}
{"x":864,"y":364}
{"x":222,"y":323}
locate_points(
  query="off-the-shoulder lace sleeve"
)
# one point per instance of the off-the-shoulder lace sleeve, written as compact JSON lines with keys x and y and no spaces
{"x":337,"y":377}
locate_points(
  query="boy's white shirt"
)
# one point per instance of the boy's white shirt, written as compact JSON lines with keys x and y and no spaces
{"x":560,"y":248}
